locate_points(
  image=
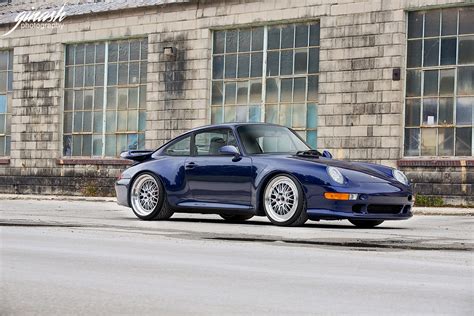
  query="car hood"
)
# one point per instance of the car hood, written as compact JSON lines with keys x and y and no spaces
{"x":355,"y":171}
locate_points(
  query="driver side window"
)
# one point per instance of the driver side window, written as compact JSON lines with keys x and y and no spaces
{"x":180,"y":148}
{"x":208,"y":143}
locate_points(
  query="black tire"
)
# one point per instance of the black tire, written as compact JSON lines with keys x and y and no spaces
{"x":300,"y":216}
{"x":361,"y":223}
{"x":162,"y":210}
{"x":236,"y":218}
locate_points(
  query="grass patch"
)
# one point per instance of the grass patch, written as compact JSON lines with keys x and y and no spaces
{"x":428,"y":201}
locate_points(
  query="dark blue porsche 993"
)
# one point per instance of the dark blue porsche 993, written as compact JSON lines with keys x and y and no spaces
{"x":241,"y":170}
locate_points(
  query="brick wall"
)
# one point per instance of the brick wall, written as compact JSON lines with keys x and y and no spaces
{"x":360,"y":106}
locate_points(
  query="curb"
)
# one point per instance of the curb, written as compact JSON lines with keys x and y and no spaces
{"x":444,"y":211}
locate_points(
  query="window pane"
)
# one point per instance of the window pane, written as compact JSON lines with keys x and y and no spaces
{"x":123,"y":51}
{"x":301,"y":61}
{"x":273,"y":63}
{"x":110,"y":121}
{"x":413,"y":83}
{"x":141,"y":121}
{"x":241,"y":113}
{"x":446,"y":141}
{"x":312,"y":116}
{"x":132,"y":141}
{"x":431,"y":52}
{"x":430,"y":86}
{"x":230,"y":93}
{"x":87,"y":121}
{"x":110,"y":146}
{"x":231,"y":41}
{"x":217,"y":89}
{"x":287,"y":36}
{"x":142,"y":96}
{"x":445,"y":111}
{"x":313,"y":88}
{"x":69,"y":55}
{"x":217,"y":67}
{"x":144,"y":49}
{"x":312,"y":138}
{"x":89,"y":76}
{"x":464,"y":141}
{"x":3,"y":82}
{"x":271,"y":113}
{"x":286,"y":90}
{"x":412,"y":142}
{"x":230,"y":66}
{"x":68,"y":100}
{"x":97,"y":145}
{"x":67,"y":124}
{"x":299,"y":115}
{"x":180,"y":148}
{"x":143,"y":71}
{"x":465,"y":80}
{"x":272,"y":90}
{"x":77,"y":127}
{"x":78,"y":100}
{"x":88,"y":99}
{"x":448,"y":51}
{"x":99,"y":75}
{"x":450,"y":21}
{"x":113,"y":52}
{"x":219,"y":42}
{"x":133,"y":75}
{"x":79,"y":59}
{"x":257,"y":39}
{"x":98,"y":122}
{"x":123,"y":73}
{"x":466,"y":22}
{"x":244,"y":64}
{"x":112,"y":74}
{"x":134,"y":50}
{"x":216,"y":115}
{"x":122,"y":98}
{"x":111,"y":98}
{"x":257,"y":64}
{"x":313,"y":66}
{"x":79,"y":77}
{"x":67,"y":145}
{"x":90,"y":53}
{"x":446,"y":82}
{"x":301,"y":39}
{"x":121,"y":144}
{"x":430,"y":109}
{"x":415,"y":24}
{"x":244,"y":40}
{"x":100,"y":53}
{"x":428,"y":141}
{"x":69,"y":77}
{"x":286,"y":62}
{"x":432,"y":23}
{"x":464,"y":111}
{"x":242,"y":92}
{"x":229,"y":114}
{"x":273,"y":38}
{"x":121,"y":120}
{"x":255,"y":91}
{"x":3,"y":60}
{"x":76,"y":145}
{"x":132,"y":123}
{"x":466,"y":49}
{"x":285,"y":115}
{"x":299,"y":90}
{"x":133,"y":98}
{"x":412,"y":112}
{"x":414,"y":51}
{"x":314,"y":35}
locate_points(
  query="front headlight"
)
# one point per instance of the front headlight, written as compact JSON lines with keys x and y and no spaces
{"x":335,"y":174}
{"x":397,"y":174}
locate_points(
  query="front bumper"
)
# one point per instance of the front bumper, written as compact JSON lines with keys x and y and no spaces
{"x":121,"y":190}
{"x":367,"y":206}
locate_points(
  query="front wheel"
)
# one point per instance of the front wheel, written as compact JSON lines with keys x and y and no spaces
{"x":147,"y":198}
{"x":365,"y":223}
{"x":284,"y":202}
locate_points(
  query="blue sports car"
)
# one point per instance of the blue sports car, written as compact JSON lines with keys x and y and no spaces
{"x":241,"y":170}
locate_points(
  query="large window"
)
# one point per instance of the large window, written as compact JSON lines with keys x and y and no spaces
{"x":267,"y":74}
{"x":439,"y":105}
{"x":6,"y":94}
{"x":104,"y":98}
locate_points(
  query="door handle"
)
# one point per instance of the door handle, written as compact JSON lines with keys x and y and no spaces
{"x":190,"y":165}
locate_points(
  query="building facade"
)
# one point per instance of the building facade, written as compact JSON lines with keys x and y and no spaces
{"x":387,"y":81}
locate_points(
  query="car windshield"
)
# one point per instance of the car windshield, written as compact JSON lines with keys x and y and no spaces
{"x":270,"y":139}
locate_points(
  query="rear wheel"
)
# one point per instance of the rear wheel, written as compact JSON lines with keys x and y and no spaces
{"x":235,"y":218}
{"x":284,"y":202}
{"x":365,"y":223}
{"x":147,"y":198}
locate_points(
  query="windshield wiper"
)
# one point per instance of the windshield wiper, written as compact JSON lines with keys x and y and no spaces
{"x":308,"y":153}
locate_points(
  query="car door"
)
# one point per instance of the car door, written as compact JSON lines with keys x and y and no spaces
{"x":214,"y":178}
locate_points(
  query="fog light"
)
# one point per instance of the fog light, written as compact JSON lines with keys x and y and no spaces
{"x":340,"y":196}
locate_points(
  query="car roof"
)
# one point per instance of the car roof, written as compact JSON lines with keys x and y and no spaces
{"x":231,"y":124}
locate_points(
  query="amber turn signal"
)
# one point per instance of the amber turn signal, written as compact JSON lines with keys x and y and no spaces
{"x":340,"y":196}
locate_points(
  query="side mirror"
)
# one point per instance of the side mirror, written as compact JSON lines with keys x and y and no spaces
{"x":327,"y":154}
{"x":231,"y":151}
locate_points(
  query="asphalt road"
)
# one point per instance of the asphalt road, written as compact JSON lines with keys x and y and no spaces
{"x":95,"y":258}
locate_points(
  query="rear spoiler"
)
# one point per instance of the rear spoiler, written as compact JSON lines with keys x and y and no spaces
{"x":137,"y":155}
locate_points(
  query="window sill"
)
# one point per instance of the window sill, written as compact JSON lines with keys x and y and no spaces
{"x":93,"y":161}
{"x":4,"y":161}
{"x":436,"y":162}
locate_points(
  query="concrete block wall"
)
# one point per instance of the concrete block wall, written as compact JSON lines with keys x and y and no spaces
{"x":360,"y":106}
